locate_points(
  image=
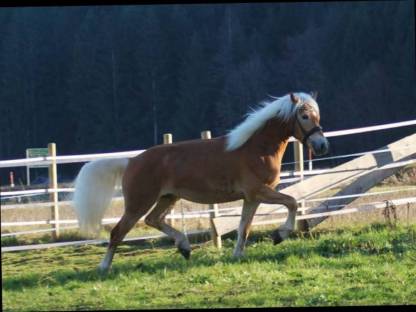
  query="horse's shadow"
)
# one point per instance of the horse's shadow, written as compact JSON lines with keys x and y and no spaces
{"x":205,"y":257}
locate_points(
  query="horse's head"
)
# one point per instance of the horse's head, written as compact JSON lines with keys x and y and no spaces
{"x":307,"y":128}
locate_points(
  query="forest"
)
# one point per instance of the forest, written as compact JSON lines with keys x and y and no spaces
{"x":111,"y":78}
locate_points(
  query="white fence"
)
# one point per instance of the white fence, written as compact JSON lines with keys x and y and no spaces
{"x":365,"y":207}
{"x":293,"y":176}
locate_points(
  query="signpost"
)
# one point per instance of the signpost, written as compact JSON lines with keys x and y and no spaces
{"x":53,"y":179}
{"x":35,"y":152}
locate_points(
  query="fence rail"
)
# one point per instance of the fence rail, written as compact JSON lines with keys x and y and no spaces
{"x":193,"y":215}
{"x":282,"y":181}
{"x":366,"y":207}
{"x":206,"y":213}
{"x":68,"y":202}
{"x":88,"y":157}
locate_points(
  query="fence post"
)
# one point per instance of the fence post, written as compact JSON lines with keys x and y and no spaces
{"x":167,"y":139}
{"x":27,"y":170}
{"x":301,"y":225}
{"x":206,"y":135}
{"x":53,"y":184}
{"x":310,"y":159}
{"x":11,"y":176}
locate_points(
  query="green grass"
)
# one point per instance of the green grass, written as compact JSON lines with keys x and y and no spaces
{"x":371,"y":265}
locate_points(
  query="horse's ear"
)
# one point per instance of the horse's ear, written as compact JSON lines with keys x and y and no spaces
{"x":294,"y":98}
{"x":314,"y":94}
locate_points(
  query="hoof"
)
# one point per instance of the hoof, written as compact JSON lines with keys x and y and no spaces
{"x":186,"y":253}
{"x":277,"y":239}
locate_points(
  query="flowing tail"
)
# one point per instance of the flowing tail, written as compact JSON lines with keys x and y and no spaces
{"x":94,"y":188}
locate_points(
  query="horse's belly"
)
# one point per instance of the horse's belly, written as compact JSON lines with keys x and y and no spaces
{"x":205,"y":185}
{"x":208,"y":196}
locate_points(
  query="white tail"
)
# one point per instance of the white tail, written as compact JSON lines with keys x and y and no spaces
{"x":94,"y":188}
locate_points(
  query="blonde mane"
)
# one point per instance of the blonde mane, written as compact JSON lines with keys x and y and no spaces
{"x":282,"y":108}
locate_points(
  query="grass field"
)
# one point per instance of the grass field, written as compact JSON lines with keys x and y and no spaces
{"x":365,"y":265}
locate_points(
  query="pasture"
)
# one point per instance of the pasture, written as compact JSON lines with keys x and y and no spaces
{"x":364,"y":265}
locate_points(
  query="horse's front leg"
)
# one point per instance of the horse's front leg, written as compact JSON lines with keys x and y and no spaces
{"x":270,"y":196}
{"x":247,"y":214}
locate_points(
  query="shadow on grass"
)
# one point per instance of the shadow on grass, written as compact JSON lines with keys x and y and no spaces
{"x":43,"y":239}
{"x":374,"y":240}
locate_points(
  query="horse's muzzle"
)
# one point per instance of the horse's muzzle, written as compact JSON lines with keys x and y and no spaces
{"x":319,"y":145}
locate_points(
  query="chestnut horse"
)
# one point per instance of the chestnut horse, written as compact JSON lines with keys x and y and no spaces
{"x":244,"y":164}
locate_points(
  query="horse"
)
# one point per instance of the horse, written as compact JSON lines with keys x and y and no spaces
{"x":243,"y":164}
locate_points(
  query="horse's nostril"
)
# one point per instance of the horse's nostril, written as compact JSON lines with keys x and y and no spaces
{"x":322,"y":146}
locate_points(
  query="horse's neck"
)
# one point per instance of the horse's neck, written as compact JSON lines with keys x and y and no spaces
{"x":272,"y":139}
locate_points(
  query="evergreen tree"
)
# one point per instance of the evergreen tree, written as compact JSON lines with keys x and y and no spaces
{"x":107,"y":78}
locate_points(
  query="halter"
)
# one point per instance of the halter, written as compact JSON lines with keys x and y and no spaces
{"x":307,"y":134}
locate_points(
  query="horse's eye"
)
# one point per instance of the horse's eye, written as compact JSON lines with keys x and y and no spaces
{"x":305,"y":117}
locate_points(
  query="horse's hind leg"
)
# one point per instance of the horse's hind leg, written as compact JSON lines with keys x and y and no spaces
{"x":126,"y":223}
{"x":118,"y":233}
{"x":156,"y":219}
